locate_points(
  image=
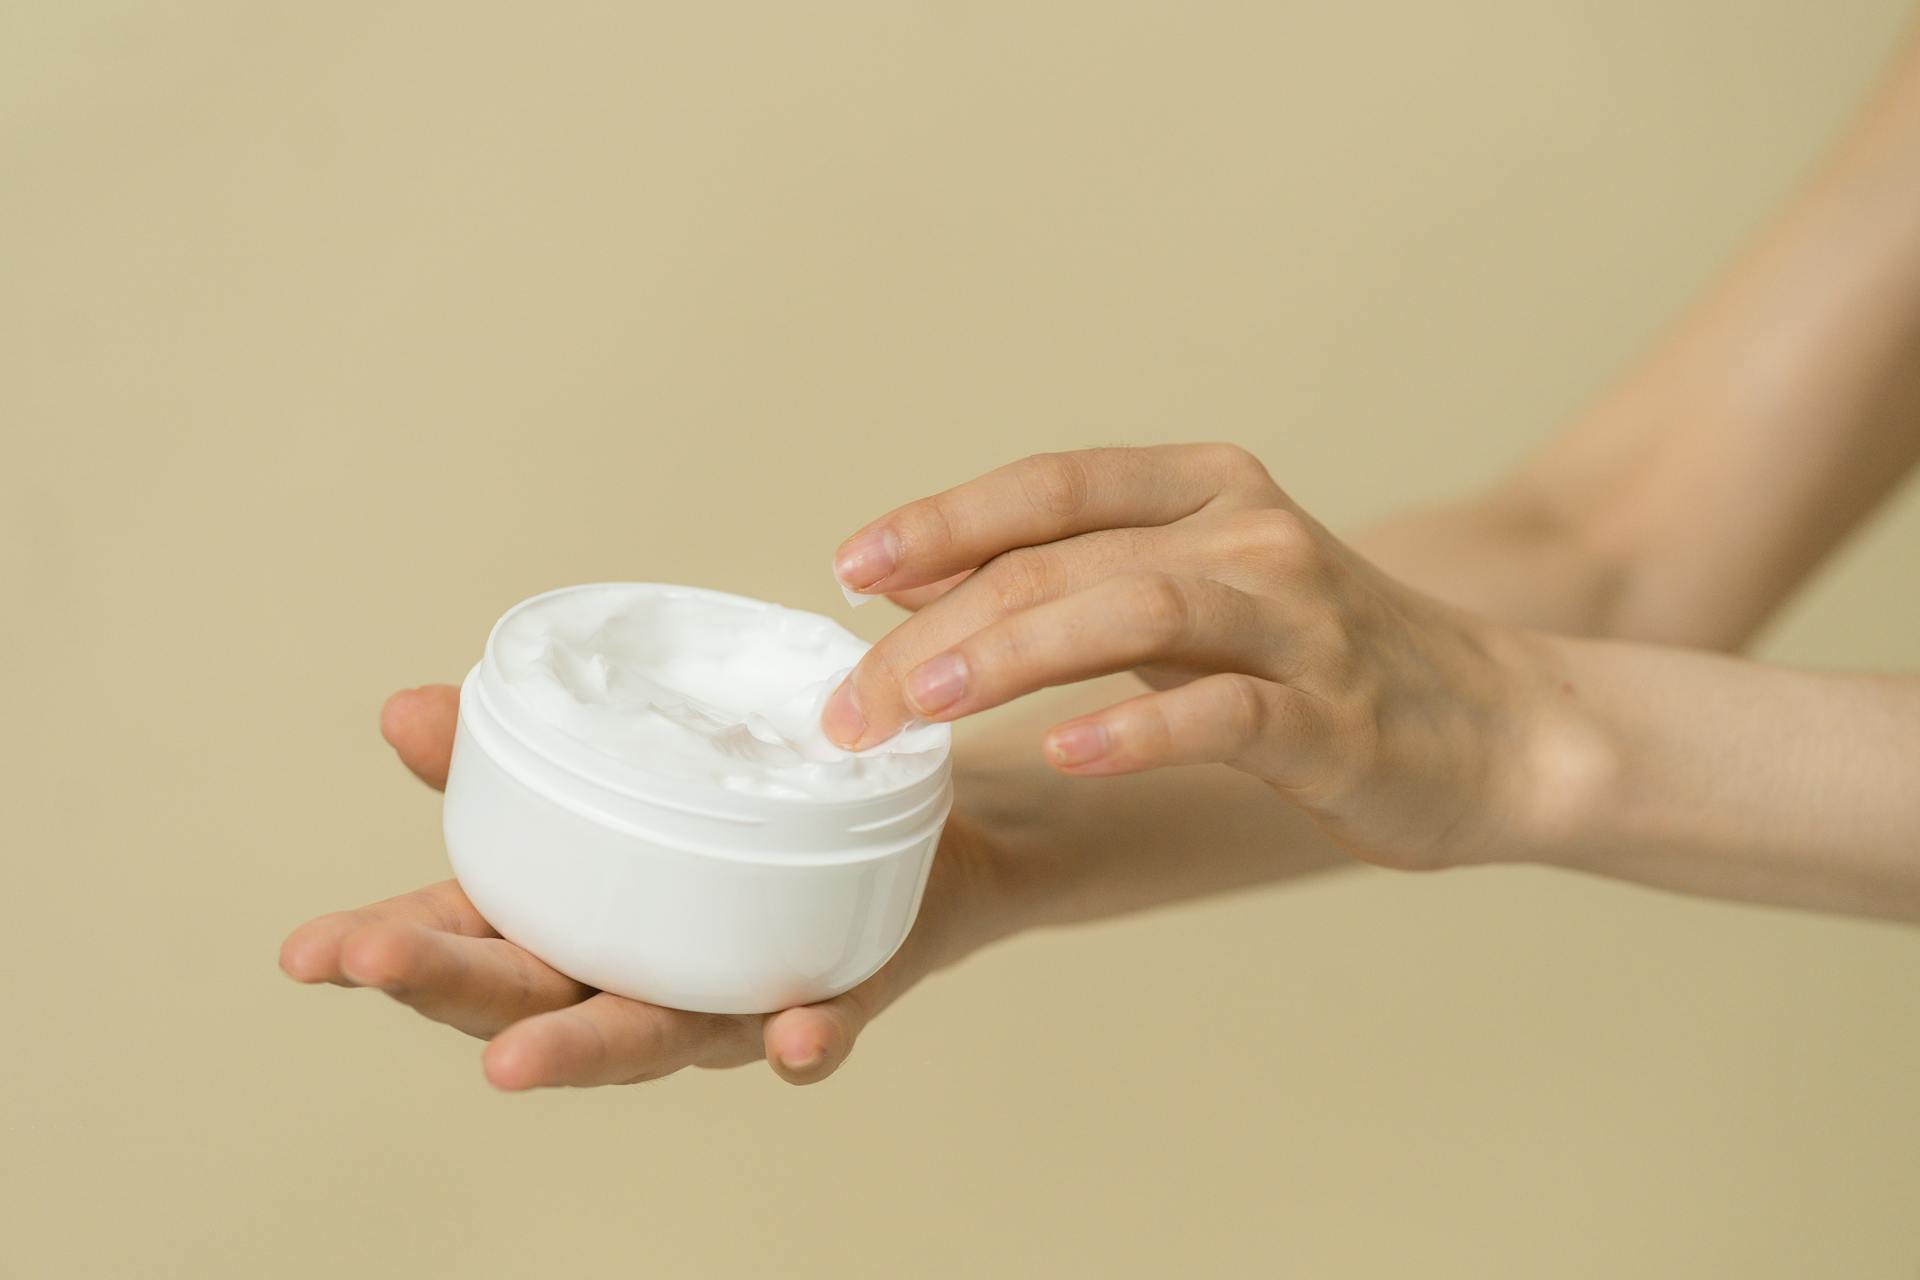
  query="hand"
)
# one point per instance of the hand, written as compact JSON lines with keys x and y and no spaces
{"x":1395,"y":721}
{"x":431,"y":949}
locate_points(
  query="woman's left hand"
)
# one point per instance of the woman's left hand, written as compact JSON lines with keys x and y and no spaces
{"x":432,"y":950}
{"x":1397,"y":722}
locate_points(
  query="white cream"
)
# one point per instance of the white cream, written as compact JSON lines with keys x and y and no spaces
{"x":704,"y":688}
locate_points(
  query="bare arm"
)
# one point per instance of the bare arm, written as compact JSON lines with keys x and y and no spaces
{"x":1723,"y":777}
{"x":1692,"y":500}
{"x":1683,"y":509}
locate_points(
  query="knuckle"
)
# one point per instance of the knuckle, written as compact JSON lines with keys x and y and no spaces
{"x":1237,"y":462}
{"x":1246,"y":709}
{"x":1279,"y":540}
{"x":1019,"y":579}
{"x":1156,"y":603}
{"x":1318,"y":653}
{"x":1279,"y":530}
{"x":1056,"y":483}
{"x":1335,"y":650}
{"x":1149,"y":736}
{"x":926,"y":527}
{"x":998,"y":656}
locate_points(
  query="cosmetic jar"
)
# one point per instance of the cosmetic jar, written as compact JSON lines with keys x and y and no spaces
{"x":641,"y":796}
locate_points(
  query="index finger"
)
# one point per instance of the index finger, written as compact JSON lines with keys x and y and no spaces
{"x":1036,"y":500}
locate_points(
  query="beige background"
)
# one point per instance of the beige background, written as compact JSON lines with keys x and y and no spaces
{"x":327,"y":331}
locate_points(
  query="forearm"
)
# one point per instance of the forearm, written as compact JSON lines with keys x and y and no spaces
{"x":1723,"y":777}
{"x":1689,"y":502}
{"x":1682,"y":510}
{"x":1504,"y":555}
{"x":1783,"y":408}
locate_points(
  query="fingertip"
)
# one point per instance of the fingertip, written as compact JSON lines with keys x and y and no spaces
{"x":1078,"y":744}
{"x":866,"y":560}
{"x":810,"y":1068}
{"x":805,"y":1046}
{"x":510,"y":1065}
{"x":841,"y":719}
{"x":419,"y":725}
{"x":414,"y":719}
{"x":304,"y":958}
{"x":397,"y":714}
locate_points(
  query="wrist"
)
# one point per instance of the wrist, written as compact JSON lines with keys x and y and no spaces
{"x":1562,"y":759}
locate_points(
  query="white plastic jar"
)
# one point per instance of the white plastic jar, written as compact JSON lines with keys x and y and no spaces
{"x":640,"y":795}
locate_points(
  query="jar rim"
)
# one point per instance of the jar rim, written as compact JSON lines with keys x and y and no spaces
{"x":508,"y":728}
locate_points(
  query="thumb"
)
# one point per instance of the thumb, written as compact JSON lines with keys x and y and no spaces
{"x":807,"y":1044}
{"x":418,"y":724}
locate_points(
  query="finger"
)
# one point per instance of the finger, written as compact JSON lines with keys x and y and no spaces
{"x":805,"y":1045}
{"x":476,"y":985}
{"x":1036,"y":500}
{"x":870,"y":706}
{"x":1115,"y":625}
{"x":1266,"y":728}
{"x":609,"y":1039}
{"x":914,"y":599}
{"x":311,"y":953}
{"x":418,"y":724}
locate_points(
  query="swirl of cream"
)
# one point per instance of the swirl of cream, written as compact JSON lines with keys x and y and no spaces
{"x":702,"y":687}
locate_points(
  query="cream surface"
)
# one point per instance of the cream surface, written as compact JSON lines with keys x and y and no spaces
{"x":685,"y":685}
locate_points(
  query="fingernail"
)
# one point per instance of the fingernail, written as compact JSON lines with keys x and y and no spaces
{"x":867,"y":559}
{"x":937,"y":683}
{"x":841,"y":718}
{"x":1077,"y":743}
{"x":806,"y":1061}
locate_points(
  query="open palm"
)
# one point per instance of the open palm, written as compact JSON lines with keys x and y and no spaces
{"x":431,"y":950}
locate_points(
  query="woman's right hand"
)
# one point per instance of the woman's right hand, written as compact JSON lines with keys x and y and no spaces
{"x":431,"y":950}
{"x":1405,"y":728}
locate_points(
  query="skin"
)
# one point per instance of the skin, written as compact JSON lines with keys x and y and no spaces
{"x":1271,"y":646}
{"x":431,"y":950}
{"x":1411,"y":733}
{"x":999,"y":870}
{"x":1525,"y":675}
